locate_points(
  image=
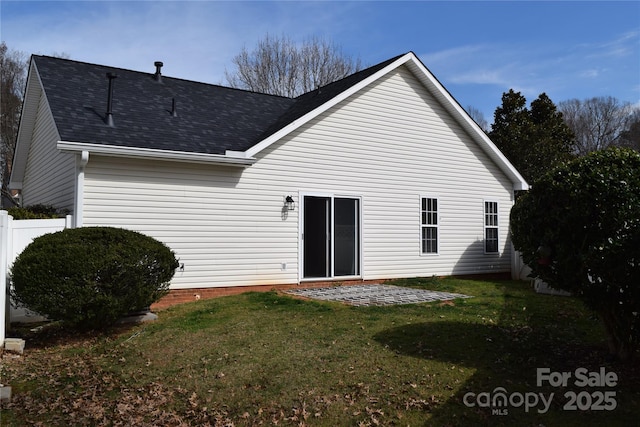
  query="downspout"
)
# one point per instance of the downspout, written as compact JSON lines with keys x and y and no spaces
{"x":81,"y":161}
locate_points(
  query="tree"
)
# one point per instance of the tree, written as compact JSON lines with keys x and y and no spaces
{"x":278,"y":66}
{"x":478,"y":117}
{"x":13,"y":70}
{"x":552,"y":141}
{"x":597,"y":122}
{"x":631,"y":137}
{"x":578,"y":229}
{"x":533,"y":140}
{"x":510,"y":126}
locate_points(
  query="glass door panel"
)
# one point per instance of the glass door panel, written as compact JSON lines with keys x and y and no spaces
{"x":346,"y":248}
{"x":317,"y":237}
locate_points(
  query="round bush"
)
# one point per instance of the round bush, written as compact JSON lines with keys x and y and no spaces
{"x":90,"y":277}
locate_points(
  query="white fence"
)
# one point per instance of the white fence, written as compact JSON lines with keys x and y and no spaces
{"x":15,"y":235}
{"x":519,"y":270}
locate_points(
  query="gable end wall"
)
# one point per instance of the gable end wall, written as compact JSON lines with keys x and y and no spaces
{"x":49,"y":175}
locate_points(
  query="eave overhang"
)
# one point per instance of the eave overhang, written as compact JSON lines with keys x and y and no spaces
{"x":230,"y":158}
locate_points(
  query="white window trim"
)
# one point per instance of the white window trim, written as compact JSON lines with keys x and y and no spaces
{"x":485,"y":226}
{"x":436,"y":226}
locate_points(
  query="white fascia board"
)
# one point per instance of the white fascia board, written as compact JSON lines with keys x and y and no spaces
{"x":324,"y":107}
{"x":519,"y":183}
{"x":153,"y":154}
{"x":450,"y":103}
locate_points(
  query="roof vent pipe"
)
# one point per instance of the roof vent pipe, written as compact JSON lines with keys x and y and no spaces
{"x":174,"y":112}
{"x":109,"y":118}
{"x":158,"y":74}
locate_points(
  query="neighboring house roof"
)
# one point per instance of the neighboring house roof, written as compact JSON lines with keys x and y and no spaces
{"x":213,"y":123}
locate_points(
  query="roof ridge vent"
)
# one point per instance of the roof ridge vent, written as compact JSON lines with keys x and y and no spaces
{"x":158,"y":74}
{"x":109,"y":117}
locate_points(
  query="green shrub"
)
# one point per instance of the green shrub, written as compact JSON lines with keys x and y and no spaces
{"x":36,"y":212}
{"x":578,"y":229}
{"x":90,"y":277}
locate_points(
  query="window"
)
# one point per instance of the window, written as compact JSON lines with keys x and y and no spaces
{"x":491,"y":227}
{"x":429,"y":225}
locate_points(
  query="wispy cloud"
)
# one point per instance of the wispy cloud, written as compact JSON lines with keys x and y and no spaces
{"x":500,"y":65}
{"x":535,"y":68}
{"x":590,"y":74}
{"x":625,"y":45}
{"x":196,"y":40}
{"x":458,"y":53}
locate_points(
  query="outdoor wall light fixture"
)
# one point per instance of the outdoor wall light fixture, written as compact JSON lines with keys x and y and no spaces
{"x":289,"y":203}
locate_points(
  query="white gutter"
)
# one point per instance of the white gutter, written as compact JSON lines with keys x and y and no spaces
{"x":231,"y":158}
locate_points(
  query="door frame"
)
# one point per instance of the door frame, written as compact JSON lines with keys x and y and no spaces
{"x":330,"y":195}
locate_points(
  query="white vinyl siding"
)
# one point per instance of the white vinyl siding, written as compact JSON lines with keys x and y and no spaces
{"x":49,"y":175}
{"x":228,"y":231}
{"x":228,"y":226}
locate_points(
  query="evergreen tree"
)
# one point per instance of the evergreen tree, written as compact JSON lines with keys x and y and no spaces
{"x":551,"y":140}
{"x":534,"y":140}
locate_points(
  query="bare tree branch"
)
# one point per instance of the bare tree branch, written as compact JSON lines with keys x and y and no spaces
{"x":13,"y":71}
{"x":280,"y":67}
{"x":597,"y":122}
{"x":478,"y":117}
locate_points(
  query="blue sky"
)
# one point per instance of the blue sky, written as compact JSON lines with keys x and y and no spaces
{"x":478,"y":50}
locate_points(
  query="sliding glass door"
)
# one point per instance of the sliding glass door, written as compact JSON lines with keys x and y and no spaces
{"x":331,"y":237}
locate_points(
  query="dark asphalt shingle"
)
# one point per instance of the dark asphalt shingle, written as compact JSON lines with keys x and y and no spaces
{"x":210,"y":118}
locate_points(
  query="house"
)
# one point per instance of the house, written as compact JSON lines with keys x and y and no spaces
{"x":379,"y":175}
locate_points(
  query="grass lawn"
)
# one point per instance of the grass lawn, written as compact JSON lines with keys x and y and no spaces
{"x":266,"y":358}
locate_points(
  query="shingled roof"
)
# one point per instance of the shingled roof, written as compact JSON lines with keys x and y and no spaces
{"x":213,"y":124}
{"x":209,"y":119}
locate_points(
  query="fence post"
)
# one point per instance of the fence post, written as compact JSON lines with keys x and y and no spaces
{"x":516,"y":263}
{"x":4,"y":255}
